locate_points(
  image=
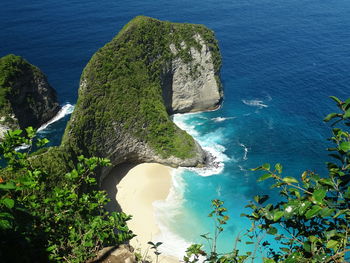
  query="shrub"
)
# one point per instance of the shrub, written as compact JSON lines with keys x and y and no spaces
{"x":65,"y":222}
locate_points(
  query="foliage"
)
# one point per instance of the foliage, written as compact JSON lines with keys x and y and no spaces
{"x":154,"y":247}
{"x":310,"y":222}
{"x":196,"y":252}
{"x":10,"y":66}
{"x":63,"y":222}
{"x":121,"y":89}
{"x":20,"y":104}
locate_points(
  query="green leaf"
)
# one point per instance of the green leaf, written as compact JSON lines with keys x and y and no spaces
{"x":331,"y":233}
{"x":290,"y":180}
{"x":326,"y":181}
{"x":326,"y":212}
{"x":319,"y":195}
{"x":266,"y":166}
{"x":30,"y":132}
{"x":346,"y":114}
{"x":338,"y":101}
{"x":256,"y":198}
{"x":307,"y":246}
{"x":303,"y":207}
{"x":9,"y":203}
{"x":330,"y":116}
{"x":268,"y":260}
{"x":42,"y":142}
{"x":272,"y":230}
{"x":313,"y":239}
{"x":5,"y":224}
{"x":332,"y":244}
{"x":344,"y":146}
{"x":7,"y":186}
{"x":278,"y":167}
{"x":264,"y":177}
{"x":277,"y":215}
{"x":313,"y":211}
{"x":346,"y":104}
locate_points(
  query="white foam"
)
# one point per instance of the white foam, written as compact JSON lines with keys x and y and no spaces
{"x":65,"y":110}
{"x":180,"y":121}
{"x":221,"y":119}
{"x":210,"y":142}
{"x":22,"y":147}
{"x":166,"y":212}
{"x":255,"y":103}
{"x":245,"y":151}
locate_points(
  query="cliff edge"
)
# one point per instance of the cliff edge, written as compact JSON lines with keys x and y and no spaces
{"x":130,"y":86}
{"x":26,"y":98}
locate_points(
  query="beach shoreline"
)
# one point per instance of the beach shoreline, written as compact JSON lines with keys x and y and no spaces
{"x":133,"y":189}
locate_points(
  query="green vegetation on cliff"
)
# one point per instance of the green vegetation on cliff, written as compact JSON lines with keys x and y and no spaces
{"x":26,"y":98}
{"x":48,"y":217}
{"x":121,"y":90}
{"x":11,"y":67}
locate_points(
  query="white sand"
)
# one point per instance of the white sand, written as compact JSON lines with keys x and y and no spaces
{"x":136,"y":188}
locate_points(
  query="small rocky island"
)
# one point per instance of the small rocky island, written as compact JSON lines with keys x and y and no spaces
{"x":130,"y":86}
{"x":127,"y":92}
{"x":26,"y":97}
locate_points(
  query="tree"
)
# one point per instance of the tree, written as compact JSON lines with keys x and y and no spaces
{"x":45,"y":221}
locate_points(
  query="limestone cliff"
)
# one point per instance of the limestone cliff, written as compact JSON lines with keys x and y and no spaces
{"x":26,"y":98}
{"x":128,"y":88}
{"x":194,"y":85}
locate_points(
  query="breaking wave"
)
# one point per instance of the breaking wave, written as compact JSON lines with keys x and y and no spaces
{"x":64,"y":111}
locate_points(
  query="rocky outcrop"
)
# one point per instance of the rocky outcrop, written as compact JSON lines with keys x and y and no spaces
{"x":121,"y":254}
{"x":129,"y":87}
{"x":194,"y":86}
{"x":26,"y":98}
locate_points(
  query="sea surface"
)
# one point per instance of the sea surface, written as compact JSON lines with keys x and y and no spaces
{"x":281,"y":62}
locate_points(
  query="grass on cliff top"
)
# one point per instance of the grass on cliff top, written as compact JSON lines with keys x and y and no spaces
{"x":12,"y":69}
{"x":9,"y":67}
{"x":122,"y":87}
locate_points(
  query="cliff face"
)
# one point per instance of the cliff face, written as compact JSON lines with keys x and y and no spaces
{"x":151,"y":68}
{"x":26,"y":98}
{"x":195,"y":85}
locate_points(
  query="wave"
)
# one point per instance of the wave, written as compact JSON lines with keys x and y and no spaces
{"x":221,"y":119}
{"x":166,"y":212}
{"x":255,"y":103}
{"x":180,"y":121}
{"x":210,"y":142}
{"x":22,"y":147}
{"x":245,"y":151}
{"x":64,"y":111}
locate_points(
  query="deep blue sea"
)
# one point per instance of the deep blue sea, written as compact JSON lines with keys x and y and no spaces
{"x":281,"y":62}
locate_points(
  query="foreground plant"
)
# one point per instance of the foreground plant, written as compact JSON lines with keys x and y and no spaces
{"x":47,"y":222}
{"x":310,"y":223}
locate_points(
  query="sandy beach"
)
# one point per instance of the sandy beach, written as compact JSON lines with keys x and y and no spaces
{"x":136,"y":187}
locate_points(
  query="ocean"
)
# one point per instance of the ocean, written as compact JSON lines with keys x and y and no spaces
{"x":281,"y":62}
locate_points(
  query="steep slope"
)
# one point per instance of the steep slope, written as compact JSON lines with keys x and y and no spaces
{"x":151,"y":68}
{"x":26,"y":98}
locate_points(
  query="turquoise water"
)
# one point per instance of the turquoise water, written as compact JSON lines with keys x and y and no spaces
{"x":281,"y":61}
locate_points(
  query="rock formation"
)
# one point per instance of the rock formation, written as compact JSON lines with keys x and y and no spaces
{"x":26,"y":98}
{"x":195,"y":85}
{"x":130,"y":86}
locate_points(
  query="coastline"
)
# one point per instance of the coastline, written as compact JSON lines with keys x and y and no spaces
{"x":133,"y":189}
